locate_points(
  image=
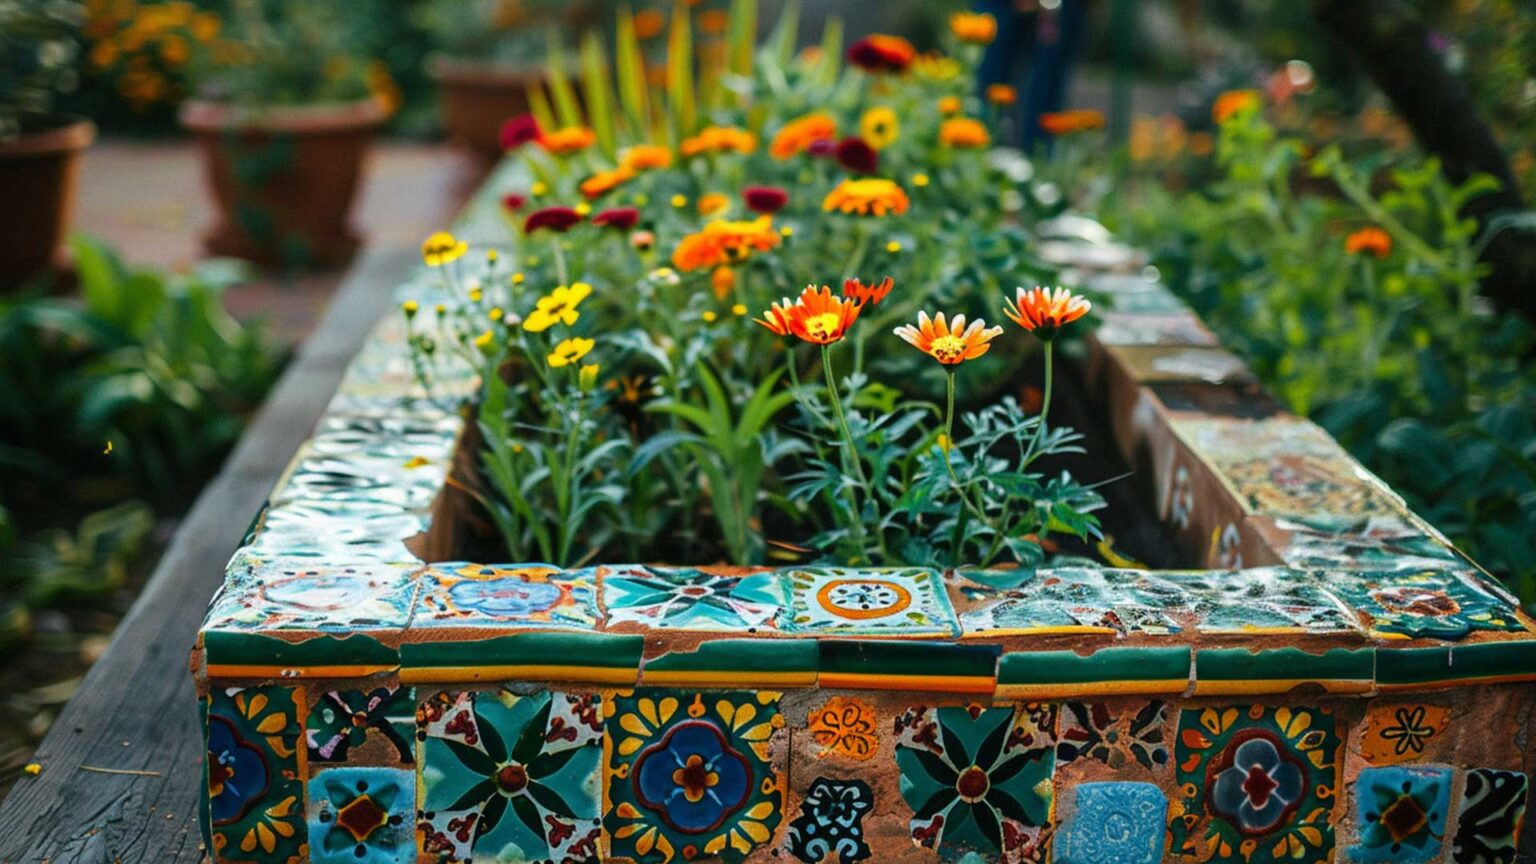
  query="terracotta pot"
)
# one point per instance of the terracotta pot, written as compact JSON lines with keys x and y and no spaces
{"x":283,"y":179}
{"x":476,"y":97}
{"x":38,"y":175}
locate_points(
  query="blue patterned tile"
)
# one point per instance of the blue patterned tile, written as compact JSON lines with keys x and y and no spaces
{"x":1400,"y":814}
{"x":362,"y":816}
{"x":525,"y":596}
{"x":687,"y":598}
{"x":1114,"y":823}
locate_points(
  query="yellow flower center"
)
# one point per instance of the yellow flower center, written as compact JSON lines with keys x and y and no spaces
{"x":821,"y":327}
{"x":947,"y":349}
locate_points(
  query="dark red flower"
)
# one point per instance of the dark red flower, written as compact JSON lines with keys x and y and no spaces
{"x":856,"y":156}
{"x":520,"y":130}
{"x":513,"y":202}
{"x":821,"y":147}
{"x":765,"y":199}
{"x":622,"y":218}
{"x":554,"y":218}
{"x":881,"y":53}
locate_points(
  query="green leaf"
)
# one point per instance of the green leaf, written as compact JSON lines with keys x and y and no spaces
{"x":680,"y":65}
{"x":594,"y":80}
{"x":566,"y":107}
{"x":629,"y":71}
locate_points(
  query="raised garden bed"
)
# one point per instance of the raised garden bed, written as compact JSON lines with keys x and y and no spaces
{"x":1330,"y":678}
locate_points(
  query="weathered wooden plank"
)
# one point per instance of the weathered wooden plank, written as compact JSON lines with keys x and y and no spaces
{"x":136,"y":709}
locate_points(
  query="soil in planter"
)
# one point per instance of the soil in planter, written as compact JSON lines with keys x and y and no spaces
{"x":462,"y":531}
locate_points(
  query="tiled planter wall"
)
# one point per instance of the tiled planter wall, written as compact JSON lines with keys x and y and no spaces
{"x":1341,"y":685}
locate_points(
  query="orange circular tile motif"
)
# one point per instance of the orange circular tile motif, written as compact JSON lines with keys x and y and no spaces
{"x":863,"y":599}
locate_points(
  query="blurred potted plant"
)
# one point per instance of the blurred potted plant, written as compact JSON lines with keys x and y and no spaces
{"x":287,"y":105}
{"x":490,"y":53}
{"x":39,"y":150}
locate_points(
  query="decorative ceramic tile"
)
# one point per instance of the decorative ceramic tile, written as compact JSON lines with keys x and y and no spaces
{"x":506,"y":777}
{"x":1400,"y":814}
{"x":487,"y":596}
{"x":1259,"y":784}
{"x":1115,"y":737}
{"x":1379,"y":542}
{"x":1490,"y":816}
{"x":1257,"y":671}
{"x":693,"y":599}
{"x":1114,"y":823}
{"x":978,"y":779}
{"x":362,"y":816}
{"x":1262,"y":599}
{"x":830,"y":827}
{"x":1074,"y":599}
{"x":341,"y":720}
{"x":255,"y":795}
{"x":1115,"y":671}
{"x":908,"y":602}
{"x":1440,"y":604}
{"x":276,"y":597}
{"x":1395,"y":733}
{"x":925,"y":666}
{"x":844,"y":728}
{"x":690,"y":775}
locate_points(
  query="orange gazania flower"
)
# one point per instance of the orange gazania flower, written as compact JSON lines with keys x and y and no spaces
{"x":571,"y":139}
{"x":1233,"y":101}
{"x":949,"y":105}
{"x":973,"y":27}
{"x":963,"y":132}
{"x":719,"y":139}
{"x":1001,"y":94}
{"x":871,"y":294}
{"x":1369,"y":241}
{"x":724,"y":242}
{"x":880,"y":52}
{"x":645,"y":157}
{"x":603,"y":182}
{"x":870,"y":196}
{"x":950,"y":344}
{"x":800,"y":133}
{"x":816,"y":317}
{"x":1072,"y":121}
{"x":1043,"y":312}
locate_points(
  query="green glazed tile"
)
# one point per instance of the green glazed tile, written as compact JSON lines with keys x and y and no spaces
{"x":1240,"y":671}
{"x":761,"y":662}
{"x":229,"y":653}
{"x":1132,"y":669}
{"x":894,"y":665}
{"x":603,"y":658}
{"x":1404,"y":668}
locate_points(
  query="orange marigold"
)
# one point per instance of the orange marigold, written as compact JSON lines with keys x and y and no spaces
{"x":645,"y":157}
{"x":1072,"y":121}
{"x":1233,"y":101}
{"x":870,"y":196}
{"x":1001,"y":94}
{"x":723,"y":242}
{"x":800,"y":133}
{"x":719,"y":139}
{"x":949,"y":105}
{"x":1369,"y":241}
{"x":571,"y":139}
{"x":816,"y":317}
{"x":603,"y":182}
{"x":1043,"y":312}
{"x":963,"y":132}
{"x":977,"y":28}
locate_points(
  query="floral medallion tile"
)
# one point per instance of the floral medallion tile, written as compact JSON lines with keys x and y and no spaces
{"x":1442,"y":604}
{"x":508,"y":777}
{"x":693,"y":599}
{"x":845,"y":727}
{"x":908,"y":602}
{"x":1394,"y":733}
{"x":279,"y":597}
{"x":1400,"y":814}
{"x":488,"y":596}
{"x":1113,"y":823}
{"x":255,"y":794}
{"x":1116,"y":736}
{"x":1259,"y":784}
{"x":830,"y":827}
{"x":362,"y":816}
{"x":1073,"y":598}
{"x":978,"y":779}
{"x":1377,"y":542}
{"x":342,"y":720}
{"x":691,"y":775}
{"x":1490,"y":816}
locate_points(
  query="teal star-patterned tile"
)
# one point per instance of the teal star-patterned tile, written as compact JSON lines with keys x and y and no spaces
{"x":690,"y":598}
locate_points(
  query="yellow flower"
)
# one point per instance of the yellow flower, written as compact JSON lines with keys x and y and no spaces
{"x":486,"y":341}
{"x":739,"y":309}
{"x":538,"y":189}
{"x":410,"y":308}
{"x":973,"y":27}
{"x":920,"y":180}
{"x":879,"y":127}
{"x":936,"y":67}
{"x":787,"y":231}
{"x":442,"y":248}
{"x":679,"y":200}
{"x":963,"y":132}
{"x":893,"y":247}
{"x":587,"y":378}
{"x":871,"y":196}
{"x":518,"y":278}
{"x":800,"y":133}
{"x":569,"y":351}
{"x":709,"y":316}
{"x":711,"y":203}
{"x":645,"y":157}
{"x":950,"y":344}
{"x":949,"y":105}
{"x":557,"y":307}
{"x":492,"y":256}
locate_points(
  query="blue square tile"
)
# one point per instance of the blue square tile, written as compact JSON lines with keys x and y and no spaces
{"x":1400,"y":814}
{"x":1114,"y":823}
{"x":688,"y":598}
{"x":362,"y":816}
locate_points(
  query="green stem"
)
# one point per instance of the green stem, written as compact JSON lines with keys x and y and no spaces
{"x":1045,"y":404}
{"x":559,"y":253}
{"x":851,"y":458}
{"x":949,"y":444}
